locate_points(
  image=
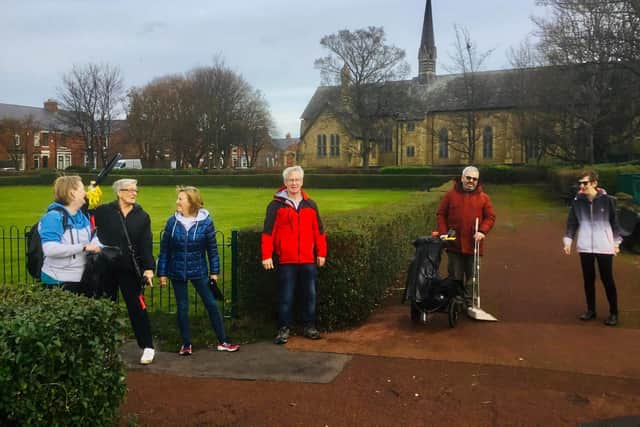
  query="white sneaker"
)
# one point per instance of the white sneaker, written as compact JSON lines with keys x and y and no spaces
{"x":147,"y":356}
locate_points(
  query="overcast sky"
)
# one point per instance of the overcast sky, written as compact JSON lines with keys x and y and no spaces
{"x":272,"y":44}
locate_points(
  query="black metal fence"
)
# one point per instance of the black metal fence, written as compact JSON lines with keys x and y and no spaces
{"x":13,"y":271}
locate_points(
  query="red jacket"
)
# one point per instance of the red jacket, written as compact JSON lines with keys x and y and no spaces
{"x":458,"y":210}
{"x":295,"y":235}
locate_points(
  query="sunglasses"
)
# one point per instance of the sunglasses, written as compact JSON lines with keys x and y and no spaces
{"x":470,"y":178}
{"x":583,"y":182}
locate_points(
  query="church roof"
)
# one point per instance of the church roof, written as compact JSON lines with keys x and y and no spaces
{"x":445,"y":93}
{"x":428,"y":39}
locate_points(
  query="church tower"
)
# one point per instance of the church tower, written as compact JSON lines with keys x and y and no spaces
{"x":427,"y":52}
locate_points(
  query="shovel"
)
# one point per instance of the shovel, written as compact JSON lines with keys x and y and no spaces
{"x":475,"y":312}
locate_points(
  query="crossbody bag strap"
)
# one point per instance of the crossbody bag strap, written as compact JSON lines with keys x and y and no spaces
{"x":129,"y":244}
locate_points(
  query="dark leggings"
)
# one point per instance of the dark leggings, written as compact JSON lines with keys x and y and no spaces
{"x":129,"y":285}
{"x":605,"y":266}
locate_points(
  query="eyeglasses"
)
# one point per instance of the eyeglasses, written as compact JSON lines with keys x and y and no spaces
{"x":130,"y":190}
{"x":583,"y":182}
{"x":470,"y":178}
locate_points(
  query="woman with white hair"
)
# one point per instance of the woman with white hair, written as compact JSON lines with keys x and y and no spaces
{"x":111,"y":220}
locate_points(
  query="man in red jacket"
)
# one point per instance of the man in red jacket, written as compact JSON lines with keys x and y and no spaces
{"x":293,"y":231}
{"x":458,"y":210}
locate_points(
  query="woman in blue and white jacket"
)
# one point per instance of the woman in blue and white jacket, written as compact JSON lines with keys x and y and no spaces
{"x":65,"y":233}
{"x":189,"y":238}
{"x":594,"y":218}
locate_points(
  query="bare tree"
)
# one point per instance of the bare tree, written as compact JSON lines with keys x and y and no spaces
{"x":13,"y":136}
{"x":525,"y":83}
{"x":183,"y":127}
{"x":219,"y":94}
{"x":362,"y":62}
{"x":199,"y":116}
{"x":588,"y":40}
{"x":258,"y":124}
{"x":470,"y":90}
{"x":91,"y":97}
{"x":148,"y":117}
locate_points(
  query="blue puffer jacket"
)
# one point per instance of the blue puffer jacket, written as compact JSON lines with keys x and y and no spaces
{"x":182,"y":251}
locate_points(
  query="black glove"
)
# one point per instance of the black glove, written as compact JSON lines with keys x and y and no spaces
{"x":215,"y":290}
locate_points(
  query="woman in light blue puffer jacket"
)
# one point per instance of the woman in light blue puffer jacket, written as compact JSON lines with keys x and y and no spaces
{"x":65,"y":233}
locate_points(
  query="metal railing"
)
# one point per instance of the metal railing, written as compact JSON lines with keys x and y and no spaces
{"x":13,"y":272}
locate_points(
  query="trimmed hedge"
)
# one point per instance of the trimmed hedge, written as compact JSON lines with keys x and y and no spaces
{"x":561,"y":178}
{"x":260,"y":181}
{"x":507,"y":174}
{"x":388,"y":177}
{"x":495,"y":174}
{"x":59,"y":361}
{"x":368,"y":250}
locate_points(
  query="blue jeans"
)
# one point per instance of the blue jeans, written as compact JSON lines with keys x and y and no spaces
{"x":303,"y":276}
{"x":182,"y":301}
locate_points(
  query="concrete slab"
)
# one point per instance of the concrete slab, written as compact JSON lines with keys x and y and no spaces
{"x":259,"y":361}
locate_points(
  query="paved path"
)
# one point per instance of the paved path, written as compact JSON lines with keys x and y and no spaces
{"x":260,"y":361}
{"x":538,"y":365}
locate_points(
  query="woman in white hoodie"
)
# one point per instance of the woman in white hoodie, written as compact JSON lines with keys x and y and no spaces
{"x":594,"y":218}
{"x":189,"y":239}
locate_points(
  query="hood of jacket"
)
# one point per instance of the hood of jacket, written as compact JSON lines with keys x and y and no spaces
{"x":457,"y":185}
{"x":79,"y":220}
{"x":600,"y":192}
{"x":200,"y":216}
{"x":283,"y":197}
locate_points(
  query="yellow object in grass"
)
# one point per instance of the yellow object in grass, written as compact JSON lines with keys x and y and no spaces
{"x":94,"y":196}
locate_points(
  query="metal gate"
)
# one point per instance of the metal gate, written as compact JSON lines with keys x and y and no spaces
{"x":13,"y":271}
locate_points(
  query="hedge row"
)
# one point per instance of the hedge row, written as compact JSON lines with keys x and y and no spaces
{"x":127,"y":172}
{"x":368,"y":249}
{"x":496,"y":174}
{"x":562,"y":178}
{"x":268,"y":181}
{"x":387,"y":177}
{"x":59,"y":361}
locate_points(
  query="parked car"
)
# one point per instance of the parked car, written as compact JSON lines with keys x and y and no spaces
{"x":129,"y":164}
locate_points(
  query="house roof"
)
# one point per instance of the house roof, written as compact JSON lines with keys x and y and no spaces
{"x":284,"y":143}
{"x":43,"y":118}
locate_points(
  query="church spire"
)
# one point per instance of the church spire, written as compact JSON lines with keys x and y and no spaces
{"x":427,"y":52}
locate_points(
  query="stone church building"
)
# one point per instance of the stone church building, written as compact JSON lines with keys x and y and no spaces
{"x":427,"y":131}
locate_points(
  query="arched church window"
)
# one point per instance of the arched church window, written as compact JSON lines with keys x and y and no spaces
{"x":487,"y":143}
{"x":443,"y":144}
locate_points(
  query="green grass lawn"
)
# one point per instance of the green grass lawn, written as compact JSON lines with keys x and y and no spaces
{"x":229,"y":207}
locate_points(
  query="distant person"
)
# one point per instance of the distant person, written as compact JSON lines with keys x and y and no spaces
{"x":111,"y":220}
{"x":293,"y":233}
{"x":458,"y":210}
{"x":65,"y":233}
{"x":594,"y":218}
{"x":188,"y":241}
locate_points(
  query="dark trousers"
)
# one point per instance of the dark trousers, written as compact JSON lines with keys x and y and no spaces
{"x":201,"y":286}
{"x":304,"y":277}
{"x":460,"y":267}
{"x":129,"y":285}
{"x":605,"y":266}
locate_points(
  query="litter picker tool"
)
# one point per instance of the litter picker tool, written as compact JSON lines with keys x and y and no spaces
{"x":475,"y":312}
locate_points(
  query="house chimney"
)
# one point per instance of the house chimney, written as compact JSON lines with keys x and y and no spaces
{"x":51,"y":106}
